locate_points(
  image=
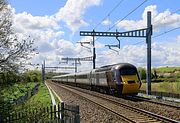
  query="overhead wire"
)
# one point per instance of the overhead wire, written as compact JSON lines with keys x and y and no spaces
{"x":137,"y":43}
{"x":140,"y":42}
{"x":125,"y":16}
{"x":117,"y":5}
{"x":165,"y":32}
{"x":176,"y":28}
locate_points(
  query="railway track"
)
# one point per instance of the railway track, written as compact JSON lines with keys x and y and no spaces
{"x":128,"y":113}
{"x":152,"y":101}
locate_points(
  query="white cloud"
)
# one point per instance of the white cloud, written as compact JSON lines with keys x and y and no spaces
{"x":106,"y":22}
{"x":46,"y":31}
{"x":44,"y":47}
{"x":63,"y":47}
{"x":178,"y":38}
{"x":41,"y":28}
{"x":159,"y":20}
{"x":163,"y":54}
{"x":72,"y":13}
{"x":24,"y":21}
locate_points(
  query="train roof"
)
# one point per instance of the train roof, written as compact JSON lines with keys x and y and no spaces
{"x":117,"y":66}
{"x":101,"y":69}
{"x":72,"y":74}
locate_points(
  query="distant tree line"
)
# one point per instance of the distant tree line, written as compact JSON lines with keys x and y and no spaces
{"x":142,"y":73}
{"x":28,"y":76}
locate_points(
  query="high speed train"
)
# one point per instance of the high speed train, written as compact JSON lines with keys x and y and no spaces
{"x":120,"y":79}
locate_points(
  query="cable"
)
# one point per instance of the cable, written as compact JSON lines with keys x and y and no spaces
{"x":125,"y":18}
{"x":166,"y":32}
{"x":127,"y":15}
{"x":108,"y":14}
{"x":138,"y":43}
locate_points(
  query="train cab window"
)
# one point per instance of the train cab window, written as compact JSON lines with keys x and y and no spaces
{"x":128,"y":71}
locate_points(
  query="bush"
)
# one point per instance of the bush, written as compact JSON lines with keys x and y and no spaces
{"x":32,"y":76}
{"x":142,"y":73}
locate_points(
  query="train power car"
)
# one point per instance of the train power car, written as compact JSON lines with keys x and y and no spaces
{"x":121,"y":79}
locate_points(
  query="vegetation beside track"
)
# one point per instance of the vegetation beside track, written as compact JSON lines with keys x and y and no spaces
{"x":168,"y":69}
{"x":164,"y":79}
{"x":10,"y":93}
{"x":39,"y":100}
{"x":15,"y":85}
{"x":170,"y":87}
{"x":13,"y":92}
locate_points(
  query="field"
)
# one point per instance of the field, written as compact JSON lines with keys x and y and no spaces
{"x":168,"y":69}
{"x":172,"y":87}
{"x":168,"y":80}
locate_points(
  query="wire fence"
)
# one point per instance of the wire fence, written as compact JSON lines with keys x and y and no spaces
{"x":162,"y":94}
{"x":61,"y":113}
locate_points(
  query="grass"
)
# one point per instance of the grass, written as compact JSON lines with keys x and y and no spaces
{"x":172,"y":87}
{"x":167,"y":69}
{"x":39,"y":100}
{"x":168,"y":80}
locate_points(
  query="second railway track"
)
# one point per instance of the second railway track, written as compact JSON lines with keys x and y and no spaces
{"x":151,"y":101}
{"x":125,"y":111}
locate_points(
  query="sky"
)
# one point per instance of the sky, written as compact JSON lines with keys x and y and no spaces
{"x":55,"y":25}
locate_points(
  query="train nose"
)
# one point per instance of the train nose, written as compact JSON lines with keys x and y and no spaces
{"x":130,"y":84}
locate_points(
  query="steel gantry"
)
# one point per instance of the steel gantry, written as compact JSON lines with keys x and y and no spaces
{"x":44,"y":67}
{"x":77,"y":60}
{"x":139,"y":33}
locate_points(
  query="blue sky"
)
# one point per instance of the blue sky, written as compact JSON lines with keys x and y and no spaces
{"x":61,"y":20}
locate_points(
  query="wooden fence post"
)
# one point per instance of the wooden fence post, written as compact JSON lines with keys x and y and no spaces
{"x":59,"y":110}
{"x":54,"y":111}
{"x":51,"y":112}
{"x":77,"y":115}
{"x":2,"y":118}
{"x":62,"y":112}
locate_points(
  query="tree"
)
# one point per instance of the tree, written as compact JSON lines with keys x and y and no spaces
{"x":142,"y":73}
{"x":13,"y":50}
{"x":32,"y":76}
{"x":154,"y":74}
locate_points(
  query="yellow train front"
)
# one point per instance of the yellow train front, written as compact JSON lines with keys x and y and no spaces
{"x":120,"y":79}
{"x":127,"y":79}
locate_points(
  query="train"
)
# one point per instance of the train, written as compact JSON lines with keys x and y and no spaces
{"x":117,"y":79}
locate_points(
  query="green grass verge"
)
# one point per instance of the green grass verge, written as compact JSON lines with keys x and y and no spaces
{"x":34,"y":107}
{"x":39,"y":100}
{"x":171,"y":87}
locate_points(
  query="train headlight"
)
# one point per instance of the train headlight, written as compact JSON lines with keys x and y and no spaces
{"x":123,"y":82}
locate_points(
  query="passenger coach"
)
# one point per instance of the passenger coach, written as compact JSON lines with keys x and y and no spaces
{"x":121,"y":79}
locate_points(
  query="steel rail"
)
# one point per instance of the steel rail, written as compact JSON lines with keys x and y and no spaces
{"x":152,"y":101}
{"x":152,"y":117}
